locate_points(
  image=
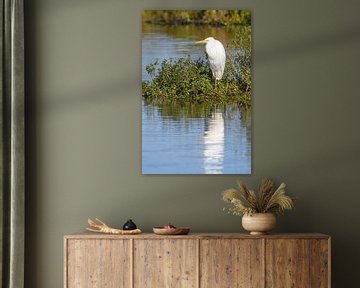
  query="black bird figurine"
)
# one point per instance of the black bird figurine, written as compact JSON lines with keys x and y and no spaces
{"x":129,"y":225}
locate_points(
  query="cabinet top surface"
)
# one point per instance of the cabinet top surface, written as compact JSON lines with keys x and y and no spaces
{"x":87,"y":235}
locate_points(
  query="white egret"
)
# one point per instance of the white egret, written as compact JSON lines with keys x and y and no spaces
{"x":216,"y":54}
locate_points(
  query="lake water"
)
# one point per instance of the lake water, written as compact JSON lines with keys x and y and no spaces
{"x":174,"y":141}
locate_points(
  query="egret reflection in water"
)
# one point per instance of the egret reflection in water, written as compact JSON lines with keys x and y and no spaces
{"x":214,"y":143}
{"x":195,"y":140}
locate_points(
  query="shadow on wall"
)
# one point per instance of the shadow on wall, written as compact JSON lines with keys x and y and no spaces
{"x":93,"y":95}
{"x":313,"y":44}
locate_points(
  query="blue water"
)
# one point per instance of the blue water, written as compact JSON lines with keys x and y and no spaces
{"x":157,"y":45}
{"x":176,"y":142}
{"x":217,"y":144}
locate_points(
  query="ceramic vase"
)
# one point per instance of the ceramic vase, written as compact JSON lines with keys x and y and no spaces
{"x":259,"y":223}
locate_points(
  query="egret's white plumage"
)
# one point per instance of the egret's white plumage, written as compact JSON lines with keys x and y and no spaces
{"x":216,"y":54}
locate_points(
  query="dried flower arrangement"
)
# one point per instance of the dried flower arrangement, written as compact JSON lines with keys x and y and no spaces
{"x":246,"y":202}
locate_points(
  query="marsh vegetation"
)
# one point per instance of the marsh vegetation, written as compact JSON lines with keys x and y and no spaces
{"x":198,"y":17}
{"x":188,"y":80}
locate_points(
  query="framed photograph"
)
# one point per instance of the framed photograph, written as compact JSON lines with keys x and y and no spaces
{"x":196,"y":92}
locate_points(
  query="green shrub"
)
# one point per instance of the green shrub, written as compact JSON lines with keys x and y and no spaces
{"x":190,"y":81}
{"x":187,"y":81}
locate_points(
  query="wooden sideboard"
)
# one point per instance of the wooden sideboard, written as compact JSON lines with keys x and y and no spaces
{"x":197,"y":260}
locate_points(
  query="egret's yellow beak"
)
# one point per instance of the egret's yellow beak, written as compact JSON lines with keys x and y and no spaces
{"x":201,"y":42}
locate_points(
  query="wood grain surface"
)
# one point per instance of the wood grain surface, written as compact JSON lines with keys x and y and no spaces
{"x":319,"y":263}
{"x":287,"y":263}
{"x":197,"y":260}
{"x":165,"y":263}
{"x":89,"y":235}
{"x":98,"y":264}
{"x":231,"y":263}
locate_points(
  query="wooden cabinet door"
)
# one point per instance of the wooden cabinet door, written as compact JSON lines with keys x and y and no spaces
{"x":297,"y":263}
{"x":231,"y":263}
{"x":165,"y":263}
{"x":287,"y":263}
{"x":98,"y":263}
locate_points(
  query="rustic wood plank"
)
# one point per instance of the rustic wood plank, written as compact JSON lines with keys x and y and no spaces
{"x":329,"y":263}
{"x":263,"y":252}
{"x":198,"y":272}
{"x":98,"y":263}
{"x":287,"y":263}
{"x":132,"y":262}
{"x":88,"y":235}
{"x":231,"y":263}
{"x":319,"y":263}
{"x":164,"y":263}
{"x":65,"y":262}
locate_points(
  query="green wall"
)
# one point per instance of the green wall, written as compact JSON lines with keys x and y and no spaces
{"x":83,"y":126}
